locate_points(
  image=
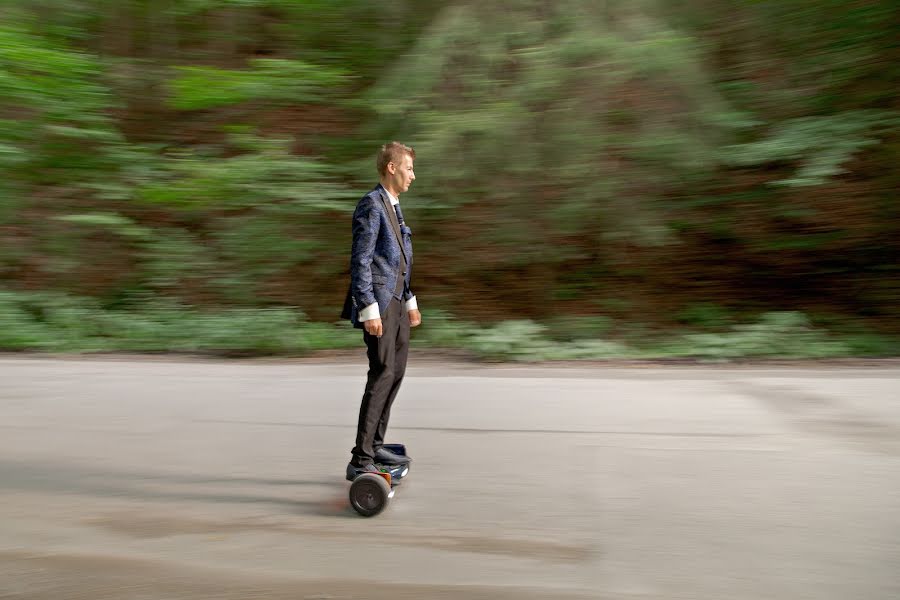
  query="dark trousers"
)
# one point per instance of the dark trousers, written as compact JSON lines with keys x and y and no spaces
{"x":387,"y":365}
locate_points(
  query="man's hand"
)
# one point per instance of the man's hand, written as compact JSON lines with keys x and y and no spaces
{"x":415,"y":318}
{"x":374,"y":327}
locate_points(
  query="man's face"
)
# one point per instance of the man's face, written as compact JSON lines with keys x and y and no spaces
{"x":403,"y":174}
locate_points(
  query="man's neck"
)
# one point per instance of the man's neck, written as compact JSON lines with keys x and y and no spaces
{"x":390,"y":191}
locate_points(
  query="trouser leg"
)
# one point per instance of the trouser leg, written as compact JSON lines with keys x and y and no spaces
{"x":382,"y":382}
{"x":401,"y":352}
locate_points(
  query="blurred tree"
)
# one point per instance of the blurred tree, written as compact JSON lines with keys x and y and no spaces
{"x":569,"y":143}
{"x":550,"y":130}
{"x":629,"y":157}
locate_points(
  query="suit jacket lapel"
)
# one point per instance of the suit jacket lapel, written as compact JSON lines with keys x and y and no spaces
{"x":395,"y":225}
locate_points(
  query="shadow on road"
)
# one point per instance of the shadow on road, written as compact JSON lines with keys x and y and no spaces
{"x":58,"y":479}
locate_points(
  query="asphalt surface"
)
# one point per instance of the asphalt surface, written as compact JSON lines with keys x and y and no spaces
{"x":136,"y":478}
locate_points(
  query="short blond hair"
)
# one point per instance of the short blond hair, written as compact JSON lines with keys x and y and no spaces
{"x":392,"y":152}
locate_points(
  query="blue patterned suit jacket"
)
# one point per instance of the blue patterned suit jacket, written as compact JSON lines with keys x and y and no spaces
{"x":375,"y":261}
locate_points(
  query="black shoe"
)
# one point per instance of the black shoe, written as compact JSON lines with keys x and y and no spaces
{"x":354,"y":471}
{"x":384,"y":456}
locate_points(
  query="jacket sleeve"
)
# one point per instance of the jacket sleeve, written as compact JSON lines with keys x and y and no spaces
{"x":366,"y":220}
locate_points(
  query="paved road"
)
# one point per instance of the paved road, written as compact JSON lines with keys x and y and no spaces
{"x":143,"y":479}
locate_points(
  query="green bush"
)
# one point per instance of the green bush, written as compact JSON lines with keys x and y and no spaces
{"x":61,"y":323}
{"x":570,"y":328}
{"x":706,"y":315}
{"x":49,"y":322}
{"x":524,"y":340}
{"x":19,"y":329}
{"x":517,"y":340}
{"x":775,"y":334}
{"x":441,"y":330}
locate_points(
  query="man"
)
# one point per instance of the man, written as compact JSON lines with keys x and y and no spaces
{"x":381,"y":303}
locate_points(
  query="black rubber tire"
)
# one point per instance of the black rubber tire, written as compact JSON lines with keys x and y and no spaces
{"x":369,"y":494}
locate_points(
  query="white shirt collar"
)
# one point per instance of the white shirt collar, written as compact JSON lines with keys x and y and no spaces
{"x":394,"y":201}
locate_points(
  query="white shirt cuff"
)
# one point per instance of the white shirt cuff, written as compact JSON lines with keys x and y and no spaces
{"x":370,"y":312}
{"x":411,"y":304}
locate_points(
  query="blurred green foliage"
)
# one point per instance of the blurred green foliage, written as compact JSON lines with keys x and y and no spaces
{"x":593,"y":178}
{"x":271,"y":80}
{"x":820,"y":144}
{"x":52,"y":322}
{"x":54,"y":122}
{"x":60,"y":323}
{"x":705,"y":315}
